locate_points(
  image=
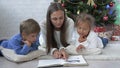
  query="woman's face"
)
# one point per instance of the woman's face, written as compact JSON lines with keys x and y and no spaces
{"x":57,"y":18}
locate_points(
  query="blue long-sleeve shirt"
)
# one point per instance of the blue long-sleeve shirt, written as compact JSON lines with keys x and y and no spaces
{"x":18,"y":46}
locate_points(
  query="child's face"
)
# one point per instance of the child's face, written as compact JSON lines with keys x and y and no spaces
{"x":57,"y":18}
{"x":83,"y":28}
{"x":31,"y":37}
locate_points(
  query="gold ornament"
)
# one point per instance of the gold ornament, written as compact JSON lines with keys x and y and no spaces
{"x":90,"y":2}
{"x":59,"y":1}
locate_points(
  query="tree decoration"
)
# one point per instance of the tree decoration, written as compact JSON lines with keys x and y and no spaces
{"x":90,"y":2}
{"x":63,"y":5}
{"x":105,"y":18}
{"x":95,"y":6}
{"x":107,"y":6}
{"x":111,"y":4}
{"x":103,"y":11}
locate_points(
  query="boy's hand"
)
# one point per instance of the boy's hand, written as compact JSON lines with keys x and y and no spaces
{"x":27,"y":42}
{"x":64,"y":54}
{"x":56,"y":54}
{"x":80,"y":47}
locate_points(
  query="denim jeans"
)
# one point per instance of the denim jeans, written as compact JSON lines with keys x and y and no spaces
{"x":105,"y":41}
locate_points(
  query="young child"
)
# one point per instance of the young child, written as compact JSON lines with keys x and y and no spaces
{"x":26,"y":41}
{"x":86,"y":40}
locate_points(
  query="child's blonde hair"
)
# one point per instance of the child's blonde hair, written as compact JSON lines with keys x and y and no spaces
{"x":85,"y":18}
{"x":29,"y":26}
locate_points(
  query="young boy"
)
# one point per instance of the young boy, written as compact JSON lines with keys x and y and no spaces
{"x":85,"y":39}
{"x":26,"y":41}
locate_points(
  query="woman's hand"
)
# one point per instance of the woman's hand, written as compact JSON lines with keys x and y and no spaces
{"x":56,"y":54}
{"x":64,"y":54}
{"x":80,"y":47}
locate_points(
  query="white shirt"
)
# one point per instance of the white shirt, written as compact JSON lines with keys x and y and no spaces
{"x":93,"y":41}
{"x":69,"y":30}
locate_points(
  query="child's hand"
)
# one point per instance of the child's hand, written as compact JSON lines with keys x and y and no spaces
{"x":56,"y":54}
{"x":64,"y":54}
{"x":27,"y":42}
{"x":82,"y":38}
{"x":80,"y":47}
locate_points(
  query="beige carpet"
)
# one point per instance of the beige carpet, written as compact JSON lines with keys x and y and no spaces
{"x":111,"y":52}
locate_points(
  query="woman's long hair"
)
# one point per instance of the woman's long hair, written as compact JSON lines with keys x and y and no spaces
{"x":51,"y":42}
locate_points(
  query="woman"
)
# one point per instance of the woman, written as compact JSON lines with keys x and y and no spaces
{"x":56,"y":31}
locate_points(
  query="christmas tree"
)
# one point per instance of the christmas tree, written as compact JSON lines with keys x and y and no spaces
{"x":102,"y":10}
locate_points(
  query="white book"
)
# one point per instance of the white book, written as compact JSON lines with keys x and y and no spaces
{"x":71,"y":61}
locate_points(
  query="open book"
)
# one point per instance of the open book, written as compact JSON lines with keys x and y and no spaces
{"x":71,"y":61}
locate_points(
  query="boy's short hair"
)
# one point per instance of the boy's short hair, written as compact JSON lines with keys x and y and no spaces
{"x":29,"y":26}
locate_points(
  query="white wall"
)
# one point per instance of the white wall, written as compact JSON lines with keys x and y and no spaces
{"x":12,"y":12}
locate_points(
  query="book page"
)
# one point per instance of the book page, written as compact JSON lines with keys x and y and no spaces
{"x":75,"y":60}
{"x":49,"y":62}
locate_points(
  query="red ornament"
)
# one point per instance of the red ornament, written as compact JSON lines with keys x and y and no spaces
{"x":95,"y":6}
{"x":111,"y":4}
{"x":105,"y":18}
{"x":63,"y":5}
